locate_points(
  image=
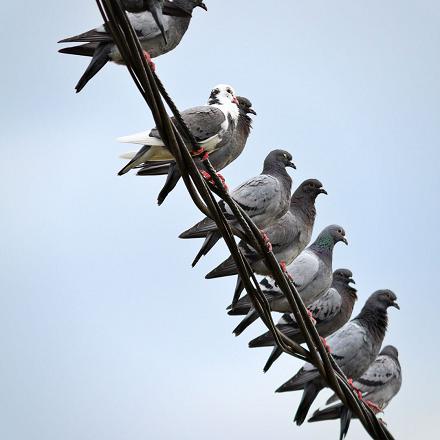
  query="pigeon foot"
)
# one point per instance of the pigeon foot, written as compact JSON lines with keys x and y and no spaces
{"x":375,"y":408}
{"x":266,"y":240}
{"x":148,"y":59}
{"x":283,"y":266}
{"x":310,"y":315}
{"x":208,"y":178}
{"x":325,"y":344}
{"x":358,"y":392}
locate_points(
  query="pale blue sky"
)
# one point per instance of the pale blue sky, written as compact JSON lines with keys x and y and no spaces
{"x":105,"y":330}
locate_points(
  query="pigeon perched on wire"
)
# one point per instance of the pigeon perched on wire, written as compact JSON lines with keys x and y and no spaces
{"x":264,"y":198}
{"x":213,"y":126}
{"x":354,"y":347}
{"x":378,"y":385}
{"x":289,"y":235}
{"x":311,"y":272}
{"x":219,"y":159}
{"x":331,"y":312}
{"x":98,"y":43}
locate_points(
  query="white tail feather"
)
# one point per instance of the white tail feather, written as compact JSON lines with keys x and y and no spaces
{"x":142,"y":138}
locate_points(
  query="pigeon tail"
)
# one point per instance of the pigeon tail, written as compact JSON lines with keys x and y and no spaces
{"x":311,"y":390}
{"x":276,"y":353}
{"x":345,"y":422}
{"x":171,"y":182}
{"x":250,"y":318}
{"x":225,"y":269}
{"x":99,"y":60}
{"x":211,"y":239}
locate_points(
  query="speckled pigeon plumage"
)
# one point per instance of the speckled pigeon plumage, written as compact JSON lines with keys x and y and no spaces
{"x":354,"y":347}
{"x":331,"y":312}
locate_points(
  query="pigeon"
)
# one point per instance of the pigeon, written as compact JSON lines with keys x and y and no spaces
{"x":98,"y":44}
{"x":220,"y":158}
{"x":212,"y":125}
{"x":311,"y":272}
{"x":378,"y":385}
{"x":288,"y":236}
{"x":153,"y":6}
{"x":354,"y":347}
{"x":331,"y":312}
{"x":265,"y":198}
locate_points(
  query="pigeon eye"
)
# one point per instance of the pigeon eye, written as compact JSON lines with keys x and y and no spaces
{"x":229,"y":91}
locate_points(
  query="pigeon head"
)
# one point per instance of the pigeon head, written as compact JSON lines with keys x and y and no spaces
{"x":382,"y":299}
{"x":310,"y":188}
{"x":278,"y":159}
{"x":391,"y":351}
{"x":222,"y":94}
{"x":245,"y":105}
{"x":329,"y":237}
{"x":189,"y":5}
{"x":344,"y":276}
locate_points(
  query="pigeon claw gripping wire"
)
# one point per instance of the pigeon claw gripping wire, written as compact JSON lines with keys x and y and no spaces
{"x":283,"y":266}
{"x":148,"y":59}
{"x":266,"y":240}
{"x":357,"y":391}
{"x":199,"y":152}
{"x":325,"y":344}
{"x":310,"y":315}
{"x":375,"y":408}
{"x":209,"y":179}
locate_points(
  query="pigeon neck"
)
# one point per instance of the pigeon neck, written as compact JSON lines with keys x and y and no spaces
{"x":375,"y":320}
{"x":244,"y":124}
{"x":305,"y":205}
{"x":348,"y":297}
{"x":324,"y":245}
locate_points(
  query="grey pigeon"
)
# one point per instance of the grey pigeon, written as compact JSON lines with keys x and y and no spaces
{"x":378,"y":385}
{"x":289,"y":235}
{"x":265,"y":198}
{"x":220,"y":158}
{"x":213,"y":126}
{"x":98,"y":43}
{"x":354,"y":347}
{"x":311,"y":272}
{"x":153,"y":6}
{"x":331,"y":312}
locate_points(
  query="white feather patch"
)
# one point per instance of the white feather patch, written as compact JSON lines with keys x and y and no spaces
{"x":142,"y":138}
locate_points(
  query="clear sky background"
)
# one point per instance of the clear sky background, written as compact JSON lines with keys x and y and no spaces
{"x":105,"y":330}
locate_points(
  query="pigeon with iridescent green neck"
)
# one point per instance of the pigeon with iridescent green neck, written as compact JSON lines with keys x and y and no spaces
{"x":311,"y":272}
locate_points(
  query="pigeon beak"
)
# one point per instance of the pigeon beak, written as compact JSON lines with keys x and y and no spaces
{"x":394,"y":304}
{"x":203,"y":6}
{"x":251,"y":110}
{"x":291,"y":165}
{"x":351,"y":280}
{"x":235,"y":100}
{"x":323,"y":191}
{"x":344,"y":240}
